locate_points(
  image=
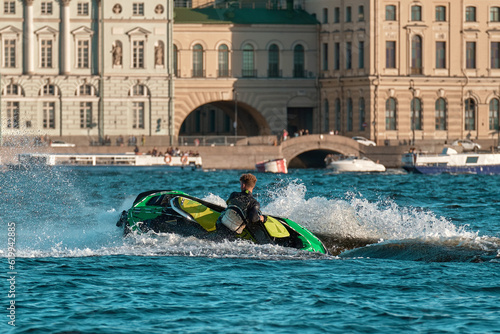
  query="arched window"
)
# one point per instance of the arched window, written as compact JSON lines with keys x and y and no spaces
{"x":440,"y":112}
{"x":494,"y":109}
{"x":298,"y":62}
{"x":198,"y":71}
{"x":470,"y":114}
{"x":416,"y":13}
{"x":274,"y":62}
{"x":416,"y":55}
{"x":416,"y":114}
{"x":49,"y":90}
{"x":223,"y":61}
{"x":86,"y":90}
{"x":349,"y":115}
{"x":390,"y":114}
{"x":326,"y":111}
{"x":139,"y":90}
{"x":338,"y":119}
{"x":175,"y":61}
{"x":362,"y":115}
{"x":13,"y":89}
{"x":248,"y":61}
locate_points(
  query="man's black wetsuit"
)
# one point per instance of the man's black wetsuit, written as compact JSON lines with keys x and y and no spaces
{"x":247,"y":203}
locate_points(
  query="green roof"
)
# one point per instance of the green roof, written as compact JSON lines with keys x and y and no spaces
{"x":242,"y":16}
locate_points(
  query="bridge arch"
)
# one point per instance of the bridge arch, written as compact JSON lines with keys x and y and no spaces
{"x":311,"y":150}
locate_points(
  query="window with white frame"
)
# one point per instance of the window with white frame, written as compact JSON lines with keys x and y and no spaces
{"x":9,"y":7}
{"x":46,"y":50}
{"x":83,"y":54}
{"x":12,"y":115}
{"x":85,"y":115}
{"x":138,"y":8}
{"x":12,"y":89}
{"x":139,"y":90}
{"x":46,"y":7}
{"x":9,"y":54}
{"x":86,"y":90}
{"x":49,"y":115}
{"x":138,"y":54}
{"x":83,"y":9}
{"x":138,"y":115}
{"x":49,"y":90}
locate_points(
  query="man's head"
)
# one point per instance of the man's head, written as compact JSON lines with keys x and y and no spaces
{"x":247,"y":182}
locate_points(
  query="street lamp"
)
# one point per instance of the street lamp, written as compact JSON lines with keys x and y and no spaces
{"x":412,"y":104}
{"x":235,"y":114}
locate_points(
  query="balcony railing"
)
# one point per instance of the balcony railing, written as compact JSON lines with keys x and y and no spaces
{"x":209,"y":140}
{"x":224,"y":73}
{"x":198,"y":73}
{"x":274,"y":73}
{"x":249,"y":73}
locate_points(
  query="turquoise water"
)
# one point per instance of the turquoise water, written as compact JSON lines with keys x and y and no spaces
{"x":410,"y":253}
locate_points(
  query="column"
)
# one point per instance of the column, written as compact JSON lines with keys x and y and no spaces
{"x":66,"y":38}
{"x":29,"y":39}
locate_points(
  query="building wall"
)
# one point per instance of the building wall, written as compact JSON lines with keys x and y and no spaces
{"x":377,"y":82}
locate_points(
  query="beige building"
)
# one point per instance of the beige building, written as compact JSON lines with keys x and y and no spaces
{"x":86,"y":69}
{"x":377,"y":56}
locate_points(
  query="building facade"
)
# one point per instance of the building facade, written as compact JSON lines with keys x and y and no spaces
{"x":392,"y":71}
{"x":399,"y":71}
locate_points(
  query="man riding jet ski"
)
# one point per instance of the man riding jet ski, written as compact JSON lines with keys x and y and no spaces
{"x":171,"y":211}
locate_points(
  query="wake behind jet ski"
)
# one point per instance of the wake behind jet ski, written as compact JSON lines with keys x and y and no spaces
{"x":172,"y":211}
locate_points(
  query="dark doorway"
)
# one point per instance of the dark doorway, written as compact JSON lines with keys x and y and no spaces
{"x":299,"y":119}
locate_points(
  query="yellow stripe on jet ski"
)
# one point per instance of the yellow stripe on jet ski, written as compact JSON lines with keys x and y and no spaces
{"x":203,"y":215}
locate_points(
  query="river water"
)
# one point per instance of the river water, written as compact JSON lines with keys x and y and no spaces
{"x":409,"y":253}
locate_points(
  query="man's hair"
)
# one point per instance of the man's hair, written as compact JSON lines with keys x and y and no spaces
{"x":249,"y":180}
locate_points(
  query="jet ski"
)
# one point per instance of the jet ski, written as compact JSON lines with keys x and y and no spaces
{"x":172,"y":211}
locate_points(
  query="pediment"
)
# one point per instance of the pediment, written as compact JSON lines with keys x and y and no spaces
{"x":83,"y":31}
{"x":138,"y":32}
{"x":10,"y":30}
{"x":46,"y":31}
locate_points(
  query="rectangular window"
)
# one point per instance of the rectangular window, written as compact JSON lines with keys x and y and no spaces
{"x":495,"y":14}
{"x":13,"y":115}
{"x":495,"y":55}
{"x":361,"y":13}
{"x":46,"y":7}
{"x":83,"y":9}
{"x":138,"y":115}
{"x":325,"y":15}
{"x":440,"y":13}
{"x":336,"y":15}
{"x":390,"y":13}
{"x":325,"y":56}
{"x":9,"y":53}
{"x":470,"y":14}
{"x":138,"y":54}
{"x":361,"y":55}
{"x":348,"y":14}
{"x":348,"y":55}
{"x":9,"y":7}
{"x":138,"y":8}
{"x":416,"y":13}
{"x":46,"y":53}
{"x":85,"y":115}
{"x":440,"y":54}
{"x":83,"y":54}
{"x":49,"y":115}
{"x":471,"y":160}
{"x":470,"y":58}
{"x":337,"y":56}
{"x":390,"y":54}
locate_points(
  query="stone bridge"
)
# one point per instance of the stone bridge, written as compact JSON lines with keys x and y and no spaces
{"x":311,"y":150}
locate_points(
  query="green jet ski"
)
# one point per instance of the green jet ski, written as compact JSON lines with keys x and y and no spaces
{"x":171,"y":211}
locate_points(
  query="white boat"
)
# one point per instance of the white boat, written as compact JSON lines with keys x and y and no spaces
{"x":354,"y":164}
{"x":29,"y":160}
{"x":272,"y":166}
{"x":450,"y":161}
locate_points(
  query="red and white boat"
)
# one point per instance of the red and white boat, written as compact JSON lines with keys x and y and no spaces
{"x":272,"y":166}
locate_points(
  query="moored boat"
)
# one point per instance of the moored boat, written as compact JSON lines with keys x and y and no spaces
{"x":33,"y":160}
{"x":272,"y":166}
{"x":450,"y":161}
{"x":354,"y":164}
